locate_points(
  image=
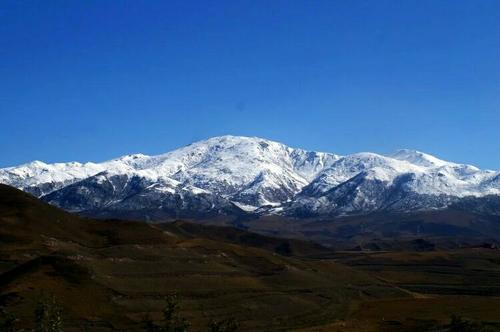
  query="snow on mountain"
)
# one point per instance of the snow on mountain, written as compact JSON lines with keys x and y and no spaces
{"x":253,"y":170}
{"x":418,"y":158}
{"x":133,"y":195}
{"x":348,"y":167}
{"x":250,"y":173}
{"x":406,"y":180}
{"x":40,"y":178}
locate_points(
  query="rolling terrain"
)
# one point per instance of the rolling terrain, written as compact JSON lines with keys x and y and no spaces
{"x":440,"y":229}
{"x":113,"y":273}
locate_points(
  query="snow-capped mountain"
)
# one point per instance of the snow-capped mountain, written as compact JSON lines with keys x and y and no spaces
{"x":230,"y":174}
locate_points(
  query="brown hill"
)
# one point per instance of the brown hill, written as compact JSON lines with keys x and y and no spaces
{"x":442,"y":229}
{"x":113,"y":273}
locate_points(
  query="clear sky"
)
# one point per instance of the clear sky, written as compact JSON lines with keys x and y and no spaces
{"x":93,"y":80}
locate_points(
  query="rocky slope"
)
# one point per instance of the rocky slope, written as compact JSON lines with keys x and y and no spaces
{"x":230,"y":175}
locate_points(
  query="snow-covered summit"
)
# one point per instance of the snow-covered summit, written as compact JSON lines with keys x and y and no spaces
{"x":419,"y":158}
{"x":253,"y":173}
{"x":255,"y":170}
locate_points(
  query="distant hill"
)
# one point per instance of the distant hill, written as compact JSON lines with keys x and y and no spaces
{"x":111,"y":274}
{"x":114,"y":272}
{"x":449,"y":228}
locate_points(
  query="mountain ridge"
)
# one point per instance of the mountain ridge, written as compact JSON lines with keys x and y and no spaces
{"x":236,"y":174}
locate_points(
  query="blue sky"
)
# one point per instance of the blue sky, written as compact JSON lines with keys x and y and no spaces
{"x":92,"y":80}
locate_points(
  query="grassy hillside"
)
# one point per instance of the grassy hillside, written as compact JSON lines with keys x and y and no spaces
{"x":113,"y":273}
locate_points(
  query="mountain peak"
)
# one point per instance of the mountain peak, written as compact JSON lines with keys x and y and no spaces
{"x":253,"y":172}
{"x":418,"y":158}
{"x":236,"y":140}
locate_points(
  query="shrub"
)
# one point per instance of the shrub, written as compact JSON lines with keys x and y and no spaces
{"x":48,"y":315}
{"x":226,"y":325}
{"x":7,"y":321}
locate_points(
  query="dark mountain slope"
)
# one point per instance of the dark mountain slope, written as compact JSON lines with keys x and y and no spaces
{"x":445,"y":228}
{"x":113,"y":273}
{"x":287,"y":247}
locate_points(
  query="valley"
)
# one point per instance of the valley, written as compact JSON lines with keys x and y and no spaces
{"x":111,"y":274}
{"x":250,"y":166}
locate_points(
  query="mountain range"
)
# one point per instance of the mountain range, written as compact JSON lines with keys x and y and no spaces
{"x":234,"y":175}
